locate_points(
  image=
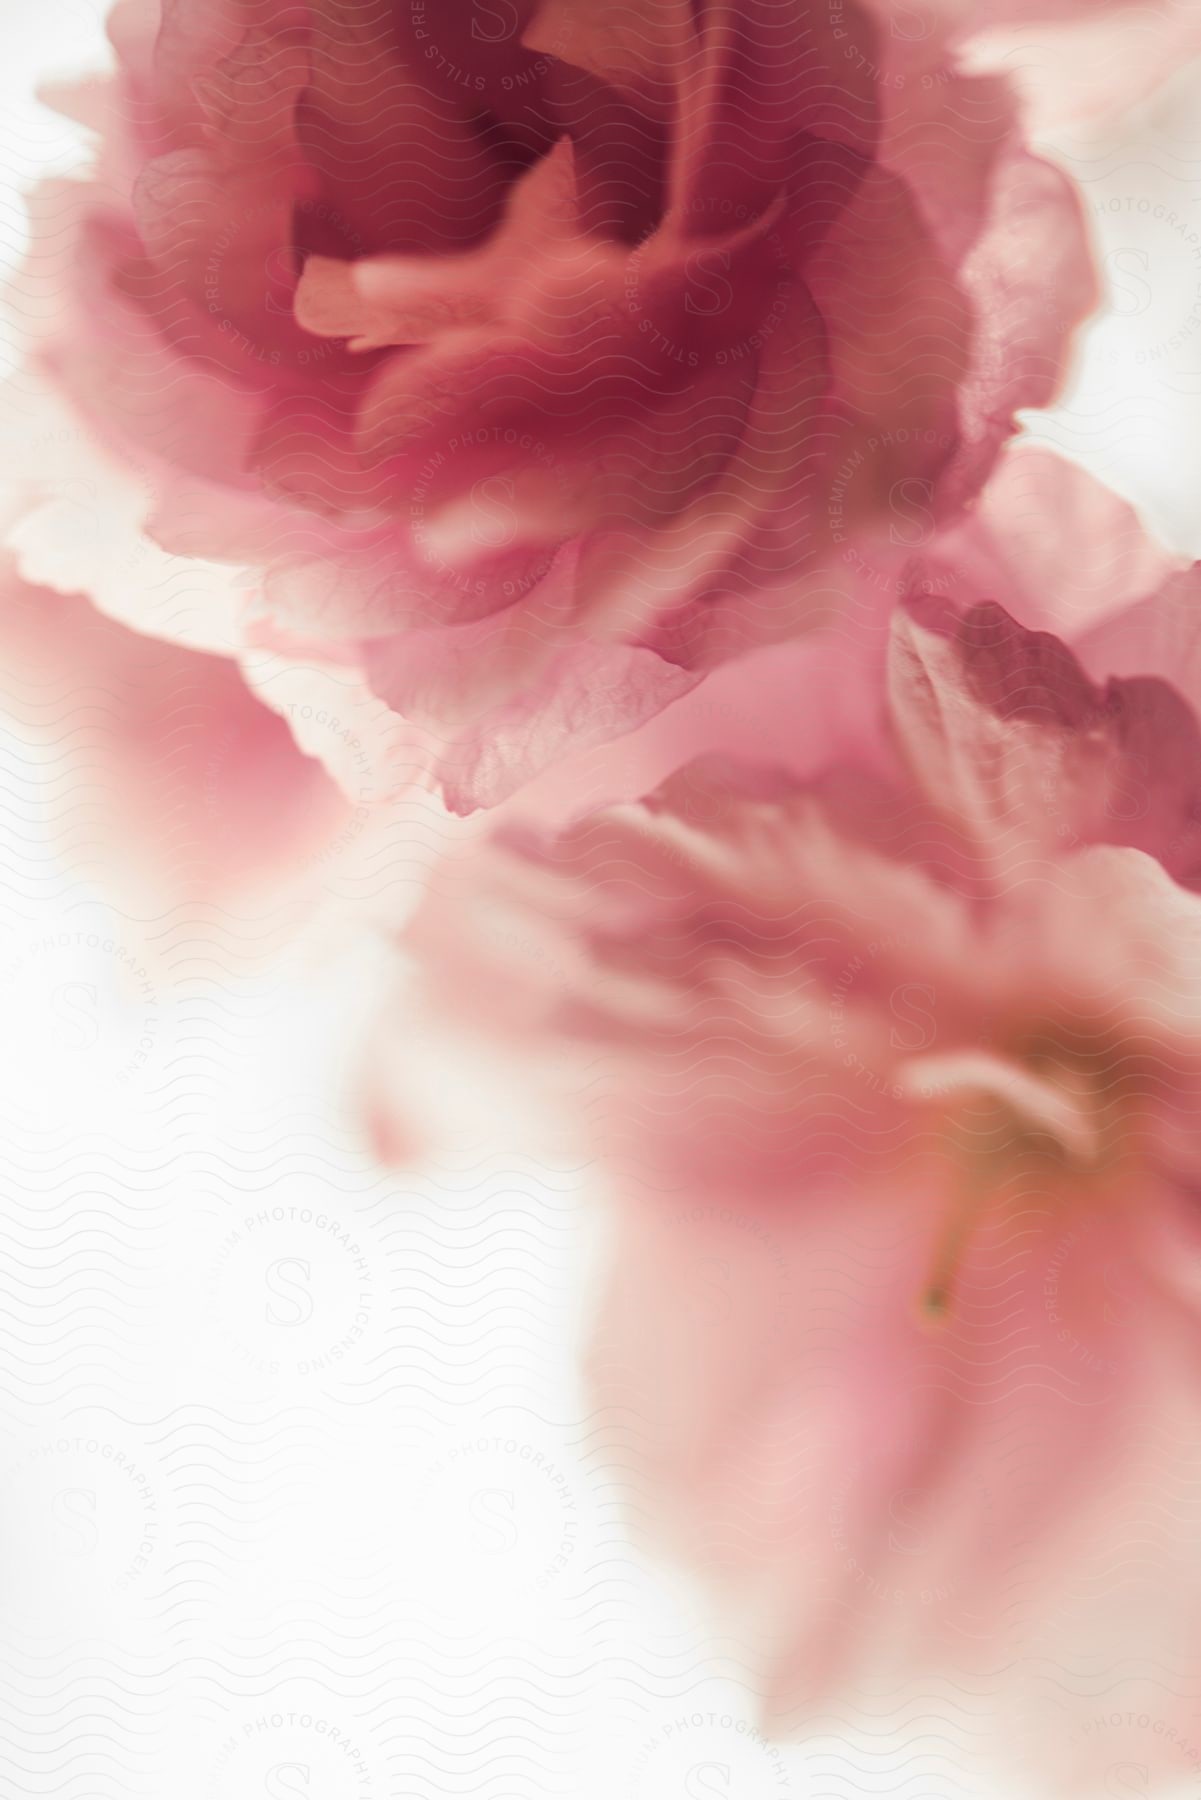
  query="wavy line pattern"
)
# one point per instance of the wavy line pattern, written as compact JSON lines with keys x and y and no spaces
{"x":298,"y":1491}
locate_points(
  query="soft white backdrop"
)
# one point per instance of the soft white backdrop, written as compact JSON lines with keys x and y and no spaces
{"x":298,"y":1492}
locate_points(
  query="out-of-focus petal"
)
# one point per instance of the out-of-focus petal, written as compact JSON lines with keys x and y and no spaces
{"x":174,"y":785}
{"x":1005,"y":730}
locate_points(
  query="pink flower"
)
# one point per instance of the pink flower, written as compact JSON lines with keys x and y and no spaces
{"x":535,"y":365}
{"x":893,"y":1066}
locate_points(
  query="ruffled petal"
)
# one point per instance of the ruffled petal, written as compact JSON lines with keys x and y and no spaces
{"x":1006,"y":730}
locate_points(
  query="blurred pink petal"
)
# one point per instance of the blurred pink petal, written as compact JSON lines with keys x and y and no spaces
{"x":1082,"y":61}
{"x":171,"y":783}
{"x":1002,"y":727}
{"x":1050,"y":543}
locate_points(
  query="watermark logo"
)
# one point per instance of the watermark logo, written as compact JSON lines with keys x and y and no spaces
{"x":293,"y":1292}
{"x":514,"y":1511}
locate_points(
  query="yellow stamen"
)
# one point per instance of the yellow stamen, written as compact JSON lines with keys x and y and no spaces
{"x":999,"y":1111}
{"x":962,"y":1220}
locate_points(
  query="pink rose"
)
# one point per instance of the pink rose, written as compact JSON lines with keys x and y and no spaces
{"x":893,"y":1065}
{"x":539,"y":357}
